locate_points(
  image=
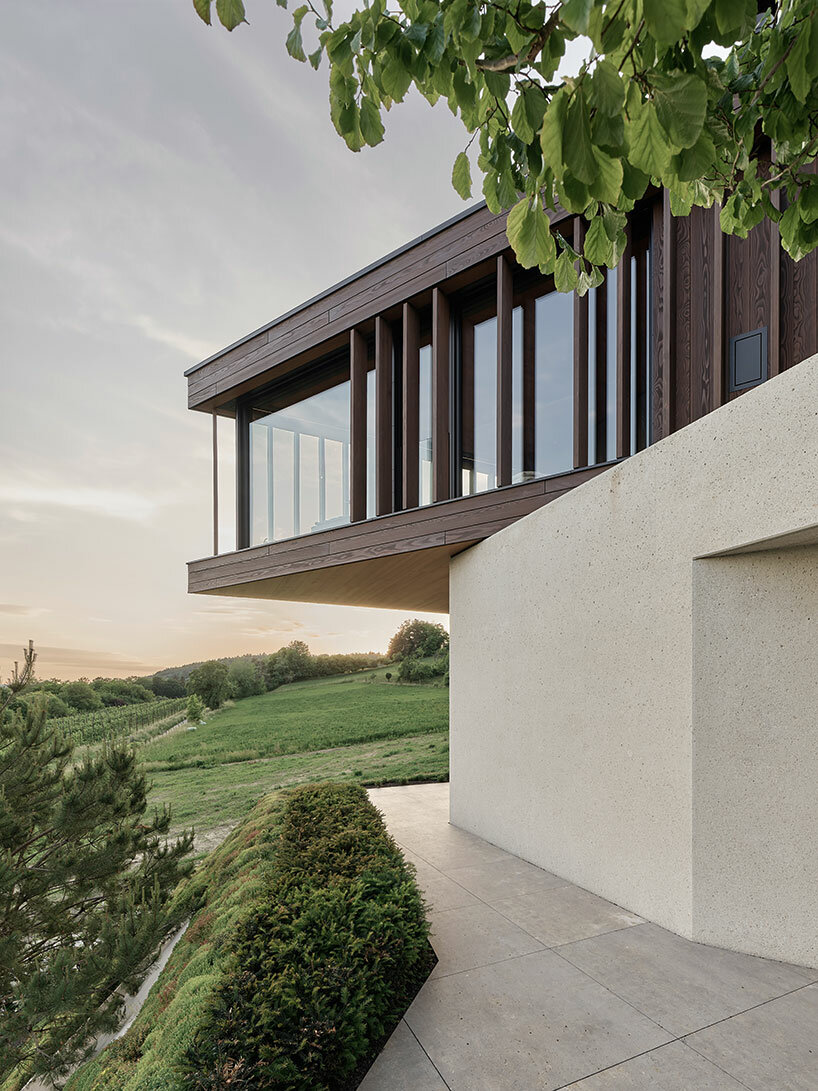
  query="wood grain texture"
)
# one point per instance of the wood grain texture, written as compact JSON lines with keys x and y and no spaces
{"x":398,"y":561}
{"x":505,"y":306}
{"x":441,"y":369}
{"x":529,"y":383}
{"x":719,"y":350}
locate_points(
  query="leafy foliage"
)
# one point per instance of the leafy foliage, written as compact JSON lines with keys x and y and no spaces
{"x":415,"y":669}
{"x":85,"y":879}
{"x":195,"y":708}
{"x":416,"y":637}
{"x":309,"y":904}
{"x":211,"y":682}
{"x":709,"y":98}
{"x":329,"y":961}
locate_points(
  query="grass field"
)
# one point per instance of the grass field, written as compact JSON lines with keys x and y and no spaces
{"x":352,"y":727}
{"x":303,"y":716}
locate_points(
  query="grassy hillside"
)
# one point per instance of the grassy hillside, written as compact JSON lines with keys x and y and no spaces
{"x":351,"y":727}
{"x":305,"y":716}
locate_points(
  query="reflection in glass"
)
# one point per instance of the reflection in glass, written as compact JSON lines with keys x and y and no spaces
{"x":479,"y":419}
{"x":517,"y":397}
{"x":425,"y":425}
{"x":370,"y":444}
{"x":554,"y":384}
{"x":299,"y":467}
{"x":610,"y":286}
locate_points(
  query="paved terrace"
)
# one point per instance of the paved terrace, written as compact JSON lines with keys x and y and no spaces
{"x":541,"y":985}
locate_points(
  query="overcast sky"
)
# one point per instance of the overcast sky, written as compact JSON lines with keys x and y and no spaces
{"x":166,"y":188}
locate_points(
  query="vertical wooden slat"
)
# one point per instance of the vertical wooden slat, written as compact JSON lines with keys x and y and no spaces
{"x":580,"y":361}
{"x":623,"y":353}
{"x":357,"y":426}
{"x":718,"y":362}
{"x":668,"y":312}
{"x":411,"y":423}
{"x":215,"y":484}
{"x":384,"y":439}
{"x":601,"y":385}
{"x":529,"y":385}
{"x":774,"y":332}
{"x":505,"y":306}
{"x":441,"y":340}
{"x":640,"y":335}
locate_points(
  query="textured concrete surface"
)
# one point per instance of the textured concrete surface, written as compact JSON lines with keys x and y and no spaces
{"x":622,"y":1006}
{"x":576,"y":740}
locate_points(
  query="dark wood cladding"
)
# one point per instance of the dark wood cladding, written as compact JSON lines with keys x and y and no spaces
{"x":448,"y":527}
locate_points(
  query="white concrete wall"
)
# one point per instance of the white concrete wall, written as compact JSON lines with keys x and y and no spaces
{"x":572,"y":734}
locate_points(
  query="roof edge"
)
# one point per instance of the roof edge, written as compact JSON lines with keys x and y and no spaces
{"x":341,"y":284}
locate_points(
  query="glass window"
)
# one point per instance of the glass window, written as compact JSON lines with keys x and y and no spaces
{"x":518,"y":467}
{"x":610,"y":431}
{"x":370,"y":444}
{"x":479,"y":407}
{"x":299,"y":465}
{"x":425,"y":425}
{"x":554,"y":383}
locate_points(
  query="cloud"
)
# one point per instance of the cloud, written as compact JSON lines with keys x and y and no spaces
{"x":117,"y":503}
{"x":78,"y":662}
{"x":21,"y":611}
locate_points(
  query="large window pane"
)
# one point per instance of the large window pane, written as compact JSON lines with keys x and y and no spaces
{"x":425,"y":425}
{"x":479,"y":409}
{"x":554,"y":383}
{"x":370,"y":444}
{"x":299,"y":466}
{"x":517,"y":397}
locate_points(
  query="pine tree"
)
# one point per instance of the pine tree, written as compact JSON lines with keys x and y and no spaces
{"x":85,"y":882}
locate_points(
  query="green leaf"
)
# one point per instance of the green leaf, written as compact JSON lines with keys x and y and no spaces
{"x":607,"y":185}
{"x":649,"y":148}
{"x":797,"y":62}
{"x":607,"y":89}
{"x":666,"y":20}
{"x":295,"y":46}
{"x":576,"y":14}
{"x":519,"y":120}
{"x":529,"y":234}
{"x":681,"y":105}
{"x":230,"y":13}
{"x":551,"y":132}
{"x":565,"y":273}
{"x":808,"y":203}
{"x":695,"y":162}
{"x":578,"y":149}
{"x":634,"y":181}
{"x":396,"y":79}
{"x":315,"y":58}
{"x":371,"y":124}
{"x":730,"y":15}
{"x":203,"y":9}
{"x":461,"y":176}
{"x":490,"y":192}
{"x":598,"y":247}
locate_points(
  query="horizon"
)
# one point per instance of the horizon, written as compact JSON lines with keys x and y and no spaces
{"x":154,"y":222}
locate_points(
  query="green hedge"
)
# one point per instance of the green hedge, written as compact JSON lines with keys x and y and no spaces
{"x":307,"y":942}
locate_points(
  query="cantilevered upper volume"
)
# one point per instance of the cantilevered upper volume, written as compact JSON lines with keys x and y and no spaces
{"x":444,"y":392}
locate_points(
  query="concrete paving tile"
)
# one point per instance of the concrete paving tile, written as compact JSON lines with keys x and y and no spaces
{"x":503,"y":878}
{"x":402,"y":1066}
{"x":771,"y":1048}
{"x":452,"y":848}
{"x":439,"y":891}
{"x":683,"y":986}
{"x":564,"y":914}
{"x":475,"y":935}
{"x":534,"y":1022}
{"x":673,"y":1067}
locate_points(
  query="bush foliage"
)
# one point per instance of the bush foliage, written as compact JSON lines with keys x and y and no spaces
{"x":308,"y":938}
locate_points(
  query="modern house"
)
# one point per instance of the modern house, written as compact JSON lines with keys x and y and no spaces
{"x":620,"y":513}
